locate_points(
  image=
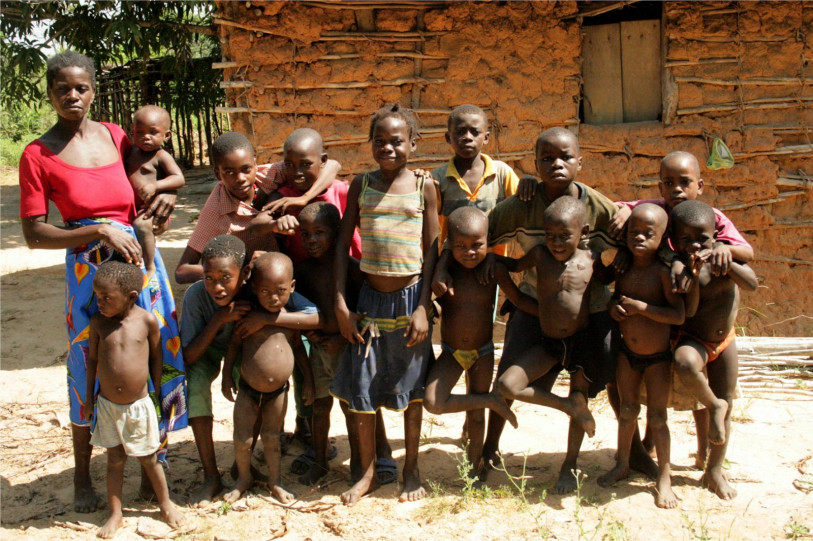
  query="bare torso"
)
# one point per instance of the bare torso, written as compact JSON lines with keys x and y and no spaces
{"x":467,"y":315}
{"x":123,"y":356}
{"x":142,"y":167}
{"x":268,"y":359}
{"x":641,"y":334}
{"x":717,"y":311}
{"x":562,"y":291}
{"x":315,"y":282}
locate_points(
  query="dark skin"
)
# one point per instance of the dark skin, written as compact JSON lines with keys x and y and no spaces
{"x":467,"y":325}
{"x":392,"y":144}
{"x":120,"y":334}
{"x":645,"y":310}
{"x":81,"y":142}
{"x":711,"y":307}
{"x":467,"y":135}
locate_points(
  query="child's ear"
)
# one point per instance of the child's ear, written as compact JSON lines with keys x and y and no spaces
{"x":413,"y":144}
{"x":216,"y":171}
{"x":487,"y":137}
{"x":585,"y":230}
{"x":167,"y":134}
{"x":324,"y":159}
{"x":448,"y":138}
{"x":579,"y":168}
{"x":245,"y":273}
{"x":132,"y":296}
{"x":700,"y":185}
{"x":293,"y":285}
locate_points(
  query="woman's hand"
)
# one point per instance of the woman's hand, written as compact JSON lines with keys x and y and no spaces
{"x":122,"y":242}
{"x":161,"y":206}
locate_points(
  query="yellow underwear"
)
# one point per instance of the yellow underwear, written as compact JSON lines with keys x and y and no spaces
{"x":467,"y":357}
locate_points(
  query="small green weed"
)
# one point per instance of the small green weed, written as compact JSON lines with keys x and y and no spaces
{"x":794,"y":530}
{"x":223,"y":509}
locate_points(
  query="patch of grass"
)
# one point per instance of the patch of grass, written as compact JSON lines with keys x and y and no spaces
{"x":10,"y":151}
{"x":698,"y":529}
{"x":616,"y":531}
{"x":795,"y":530}
{"x":223,"y":509}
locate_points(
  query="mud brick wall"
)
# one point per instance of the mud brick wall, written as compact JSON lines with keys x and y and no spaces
{"x":740,"y":71}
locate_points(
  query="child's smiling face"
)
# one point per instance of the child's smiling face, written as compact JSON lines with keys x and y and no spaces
{"x":557,"y":159}
{"x":222,"y":278}
{"x":392,"y":143}
{"x":563,"y":235}
{"x":237,"y":170}
{"x":317,"y":236}
{"x":303,"y":162}
{"x":469,"y":248}
{"x":467,"y":135}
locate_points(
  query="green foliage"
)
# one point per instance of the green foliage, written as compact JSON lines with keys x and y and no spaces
{"x":110,"y":32}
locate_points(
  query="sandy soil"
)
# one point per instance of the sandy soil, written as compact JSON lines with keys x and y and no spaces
{"x":770,"y":454}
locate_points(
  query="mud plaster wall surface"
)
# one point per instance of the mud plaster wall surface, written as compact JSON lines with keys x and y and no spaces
{"x":521,"y":63}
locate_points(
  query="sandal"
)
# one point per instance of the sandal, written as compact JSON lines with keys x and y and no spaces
{"x":304,"y":462}
{"x":386,"y":469}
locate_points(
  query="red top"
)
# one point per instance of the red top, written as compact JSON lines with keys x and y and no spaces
{"x":336,"y":195}
{"x":78,"y":192}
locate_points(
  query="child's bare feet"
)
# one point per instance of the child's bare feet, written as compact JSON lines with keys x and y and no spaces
{"x":581,"y":413}
{"x":85,"y":499}
{"x":616,"y":474}
{"x":234,"y":494}
{"x":714,"y":479}
{"x":500,"y":407}
{"x":172,"y":516}
{"x":207,"y":492}
{"x":313,"y":475}
{"x":110,"y":527}
{"x":699,"y":462}
{"x":664,"y":497}
{"x":413,"y":490}
{"x":567,"y":480}
{"x":365,"y":485}
{"x":717,"y":413}
{"x":282,"y":495}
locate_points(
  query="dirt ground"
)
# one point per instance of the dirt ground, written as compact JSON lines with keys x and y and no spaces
{"x":769,"y":459}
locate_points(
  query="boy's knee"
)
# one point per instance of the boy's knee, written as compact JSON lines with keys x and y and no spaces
{"x":242,"y":444}
{"x":629,"y":412}
{"x":505,"y":387}
{"x":116,"y":458}
{"x":655,"y":418}
{"x":476,"y":417}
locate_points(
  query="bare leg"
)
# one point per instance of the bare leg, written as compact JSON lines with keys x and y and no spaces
{"x":273,"y":413}
{"x":212,"y":485}
{"x":116,"y":459}
{"x":658,"y":378}
{"x":413,"y":490}
{"x":690,"y":358}
{"x":628,"y":381}
{"x":478,"y":380}
{"x":364,"y":428}
{"x":245,"y":413}
{"x":382,"y":445}
{"x":320,"y":428}
{"x":640,"y":457}
{"x":146,"y":237}
{"x":85,"y":499}
{"x":155,"y":473}
{"x":701,"y":426}
{"x":443,"y":377}
{"x":579,"y":386}
{"x":723,"y":380}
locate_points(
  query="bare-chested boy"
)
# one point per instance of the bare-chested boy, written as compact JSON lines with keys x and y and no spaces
{"x":125,"y":352}
{"x":707,"y":337}
{"x":645,"y":308}
{"x":151,"y":170}
{"x":267,"y":361}
{"x":564,"y":274}
{"x":466,"y":332}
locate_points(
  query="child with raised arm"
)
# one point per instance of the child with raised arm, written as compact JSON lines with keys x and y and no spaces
{"x":645,"y":308}
{"x":151,"y":170}
{"x":390,"y":351}
{"x":267,"y":361}
{"x":466,"y":333}
{"x":231,"y":206}
{"x":564,"y":273}
{"x":125,"y":353}
{"x":706,"y":339}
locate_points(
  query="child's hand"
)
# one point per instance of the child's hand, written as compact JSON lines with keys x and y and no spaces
{"x":622,"y":260}
{"x":86,"y":410}
{"x":631,"y":307}
{"x":284,"y":204}
{"x":159,"y":228}
{"x":616,"y":312}
{"x":697,"y":260}
{"x":616,"y":227}
{"x":308,"y":393}
{"x":526,"y":189}
{"x":147,"y":192}
{"x":442,"y":283}
{"x":348,"y":325}
{"x":485,"y":270}
{"x":286,"y":225}
{"x":227,"y":387}
{"x":233,"y":311}
{"x":418,"y":328}
{"x":720,"y":259}
{"x":252,"y":322}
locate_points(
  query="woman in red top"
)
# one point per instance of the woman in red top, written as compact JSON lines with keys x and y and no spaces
{"x":78,"y":165}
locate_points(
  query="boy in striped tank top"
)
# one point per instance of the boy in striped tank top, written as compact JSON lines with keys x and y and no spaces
{"x":390,"y":335}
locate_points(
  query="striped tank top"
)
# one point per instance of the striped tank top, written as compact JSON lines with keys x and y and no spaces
{"x":391,"y":228}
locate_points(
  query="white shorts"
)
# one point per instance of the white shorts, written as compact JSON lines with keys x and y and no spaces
{"x":133,"y":426}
